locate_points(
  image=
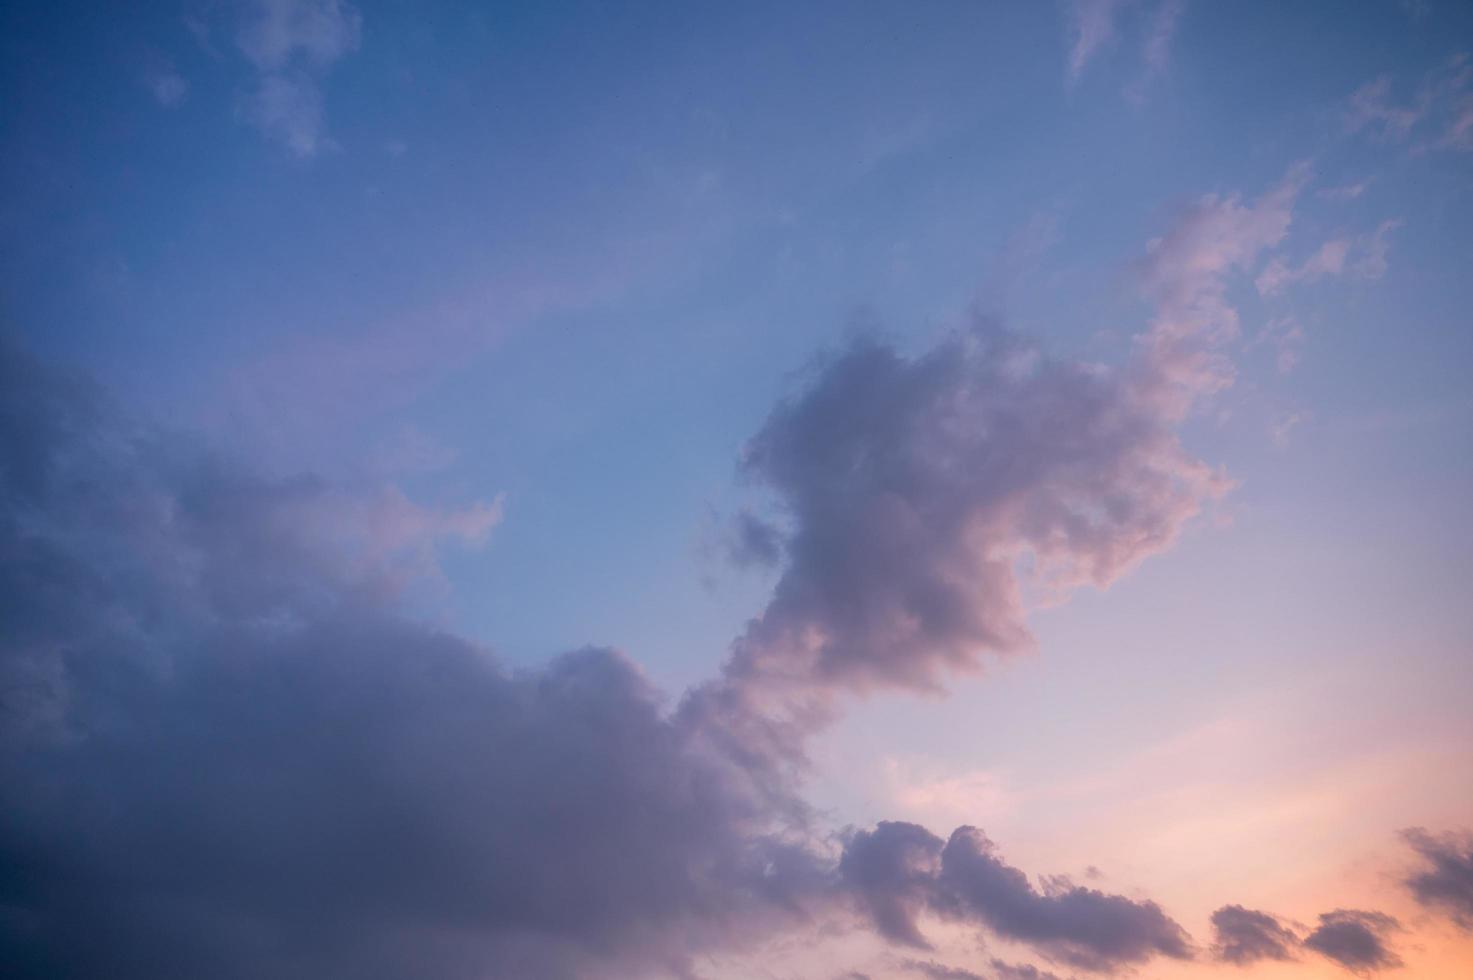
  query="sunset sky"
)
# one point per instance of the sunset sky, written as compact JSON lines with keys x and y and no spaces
{"x":926,"y":489}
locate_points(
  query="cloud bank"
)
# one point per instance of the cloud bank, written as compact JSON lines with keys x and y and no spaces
{"x":230,"y":749}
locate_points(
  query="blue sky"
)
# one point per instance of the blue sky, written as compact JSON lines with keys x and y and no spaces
{"x":522,"y":281}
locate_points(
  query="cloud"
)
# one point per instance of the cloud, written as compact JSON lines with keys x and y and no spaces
{"x":1446,"y":881}
{"x":1372,"y":109}
{"x":1163,"y":29}
{"x":1157,"y":48}
{"x":1081,"y":926}
{"x":932,"y":970}
{"x":232,"y":749}
{"x":291,"y":44}
{"x":1091,"y":28}
{"x":1347,"y":192}
{"x":227,"y":754}
{"x":999,"y":970}
{"x":1363,"y":256}
{"x":288,"y":109}
{"x":1185,"y":274}
{"x":927,"y":502}
{"x":1094,"y":25}
{"x":1373,"y":248}
{"x":1355,"y":939}
{"x":924,"y":496}
{"x":1246,"y":936}
{"x":1442,"y":103}
{"x":1327,"y":260}
{"x":899,"y":869}
{"x":892,"y":871}
{"x":168,"y":87}
{"x":1285,"y":335}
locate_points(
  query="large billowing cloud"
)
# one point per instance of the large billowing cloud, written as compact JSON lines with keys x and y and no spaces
{"x":927,"y":501}
{"x":226,"y":755}
{"x":1245,"y":936}
{"x":229,"y":751}
{"x":1445,"y":882}
{"x":926,"y":497}
{"x":1358,"y":940}
{"x":898,"y":870}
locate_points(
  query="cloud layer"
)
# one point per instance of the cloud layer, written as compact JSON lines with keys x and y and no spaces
{"x":230,"y":749}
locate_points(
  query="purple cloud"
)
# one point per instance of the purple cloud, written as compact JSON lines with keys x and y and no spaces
{"x":899,"y":869}
{"x":1245,"y":936}
{"x":1355,"y":939}
{"x":1445,"y":882}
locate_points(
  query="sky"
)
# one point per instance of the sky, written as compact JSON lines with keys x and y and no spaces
{"x":711,"y":491}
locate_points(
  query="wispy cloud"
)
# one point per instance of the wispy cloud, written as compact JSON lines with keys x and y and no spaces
{"x":1092,"y":27}
{"x":1362,"y":256}
{"x":1441,"y":109}
{"x":1445,"y":879}
{"x":1185,"y":274}
{"x":167,"y":86}
{"x":291,"y":44}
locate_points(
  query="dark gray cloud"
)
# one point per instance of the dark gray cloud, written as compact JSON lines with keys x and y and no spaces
{"x":1244,"y":936}
{"x":898,"y":869}
{"x":227,"y":754}
{"x":926,"y":498}
{"x":1356,"y":939}
{"x":1446,"y":881}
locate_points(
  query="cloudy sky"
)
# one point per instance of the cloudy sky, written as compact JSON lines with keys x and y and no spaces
{"x":710,"y":491}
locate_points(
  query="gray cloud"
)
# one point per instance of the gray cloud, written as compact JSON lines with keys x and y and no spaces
{"x":1081,"y":926}
{"x":226,"y":754}
{"x":1356,"y":939}
{"x":1244,"y":936}
{"x":899,"y":869}
{"x":892,"y":871}
{"x":1446,"y":881}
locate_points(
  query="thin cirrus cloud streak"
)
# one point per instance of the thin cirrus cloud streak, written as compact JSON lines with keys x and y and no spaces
{"x":230,"y":751}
